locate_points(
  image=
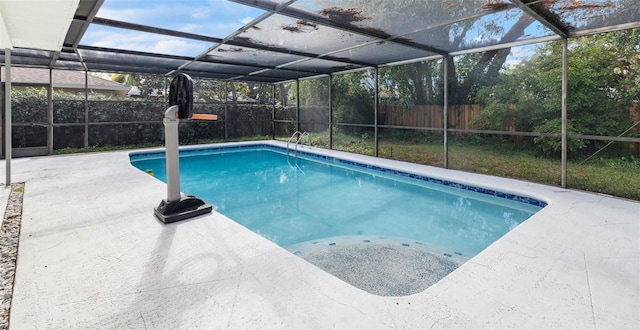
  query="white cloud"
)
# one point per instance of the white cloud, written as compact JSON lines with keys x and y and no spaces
{"x":160,"y":15}
{"x":519,"y":54}
{"x":216,"y":18}
{"x":200,"y":13}
{"x":247,"y":20}
{"x":193,"y":28}
{"x":177,"y":47}
{"x":144,"y":42}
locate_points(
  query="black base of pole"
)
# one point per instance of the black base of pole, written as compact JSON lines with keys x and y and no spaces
{"x":187,"y":207}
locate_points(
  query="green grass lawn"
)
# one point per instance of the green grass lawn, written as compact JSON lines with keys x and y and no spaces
{"x":614,"y":176}
{"x":618,"y":179}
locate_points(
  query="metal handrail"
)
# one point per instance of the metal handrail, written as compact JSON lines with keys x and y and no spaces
{"x":301,"y":135}
{"x":291,"y":138}
{"x":300,"y":139}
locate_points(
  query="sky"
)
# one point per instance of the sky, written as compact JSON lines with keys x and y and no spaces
{"x":216,"y":18}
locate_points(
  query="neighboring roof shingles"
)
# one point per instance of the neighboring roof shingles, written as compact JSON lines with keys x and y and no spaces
{"x":61,"y":79}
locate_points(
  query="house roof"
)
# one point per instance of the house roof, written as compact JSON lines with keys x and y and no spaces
{"x":62,"y":79}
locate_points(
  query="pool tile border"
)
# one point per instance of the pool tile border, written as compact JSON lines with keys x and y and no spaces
{"x":332,"y":242}
{"x":453,"y":184}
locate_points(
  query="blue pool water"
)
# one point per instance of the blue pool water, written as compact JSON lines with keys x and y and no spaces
{"x":291,"y":200}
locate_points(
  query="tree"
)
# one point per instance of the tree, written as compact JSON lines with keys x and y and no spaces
{"x":392,"y":16}
{"x":451,"y":25}
{"x":149,"y":85}
{"x":209,"y":90}
{"x":626,"y":47}
{"x":126,"y":79}
{"x":528,"y":97}
{"x":238,"y":91}
{"x":283,"y":92}
{"x":353,"y":99}
{"x":413,"y":84}
{"x":260,"y":92}
{"x":314,"y":92}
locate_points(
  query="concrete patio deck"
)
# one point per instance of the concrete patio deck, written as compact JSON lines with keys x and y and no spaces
{"x":92,"y":255}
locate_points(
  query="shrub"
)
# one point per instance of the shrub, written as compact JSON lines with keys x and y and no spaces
{"x":553,"y":146}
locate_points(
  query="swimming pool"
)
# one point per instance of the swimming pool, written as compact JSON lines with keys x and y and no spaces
{"x":308,"y":202}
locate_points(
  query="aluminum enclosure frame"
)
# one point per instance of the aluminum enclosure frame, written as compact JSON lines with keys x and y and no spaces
{"x":559,"y":18}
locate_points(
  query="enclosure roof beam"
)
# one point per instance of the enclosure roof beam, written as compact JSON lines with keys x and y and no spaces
{"x":227,"y":39}
{"x":150,"y":29}
{"x":217,"y":41}
{"x":564,"y":19}
{"x":88,"y":9}
{"x":84,"y":65}
{"x":507,"y":45}
{"x":160,"y":69}
{"x":113,"y":60}
{"x":606,"y":29}
{"x":132,"y":52}
{"x":306,"y":16}
{"x":548,"y":20}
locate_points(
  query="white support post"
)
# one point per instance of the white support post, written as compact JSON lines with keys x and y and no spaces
{"x":376,"y":106}
{"x":297,"y":104}
{"x":445,"y":114}
{"x":226,"y":110}
{"x":565,"y":70}
{"x":273,"y":112}
{"x":50,"y":114}
{"x":330,"y":111}
{"x":86,"y":109}
{"x":7,"y":116}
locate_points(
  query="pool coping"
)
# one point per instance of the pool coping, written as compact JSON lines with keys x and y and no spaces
{"x":92,"y":254}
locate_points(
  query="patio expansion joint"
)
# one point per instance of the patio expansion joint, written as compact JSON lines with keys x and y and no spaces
{"x":437,"y":321}
{"x":347,"y":305}
{"x":586,"y":270}
{"x":391,"y":317}
{"x":235,"y":295}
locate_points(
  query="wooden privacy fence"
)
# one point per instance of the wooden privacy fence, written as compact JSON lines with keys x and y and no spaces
{"x":430,"y":116}
{"x":461,"y":117}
